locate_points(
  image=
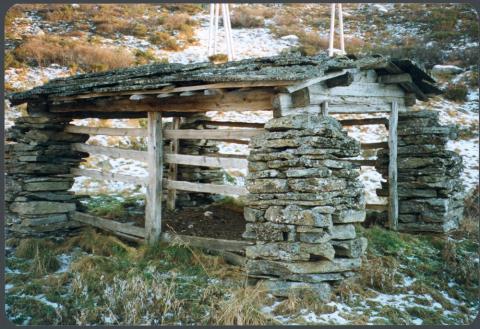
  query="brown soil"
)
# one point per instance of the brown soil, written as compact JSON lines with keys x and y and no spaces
{"x":213,"y":221}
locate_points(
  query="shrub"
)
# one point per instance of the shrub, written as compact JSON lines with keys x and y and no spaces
{"x":312,"y":43}
{"x":246,"y":17}
{"x":139,"y":30}
{"x":456,"y":92}
{"x":145,"y":57}
{"x":175,"y":22}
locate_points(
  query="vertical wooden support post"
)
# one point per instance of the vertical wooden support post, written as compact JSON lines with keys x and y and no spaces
{"x":324,"y":108}
{"x":172,"y":168}
{"x":153,"y":209}
{"x":332,"y":30}
{"x":392,"y":168}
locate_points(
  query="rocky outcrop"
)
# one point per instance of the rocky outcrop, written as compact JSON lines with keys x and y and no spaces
{"x":303,"y":202}
{"x":430,"y":190}
{"x":38,"y":159}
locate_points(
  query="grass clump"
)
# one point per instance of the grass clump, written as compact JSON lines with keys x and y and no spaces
{"x":46,"y":50}
{"x":218,"y":58}
{"x":44,"y":262}
{"x":247,"y":17}
{"x":28,"y":248}
{"x":456,"y":92}
{"x":242,"y":308}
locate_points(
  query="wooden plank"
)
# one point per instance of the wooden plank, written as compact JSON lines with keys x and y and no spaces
{"x":395,"y":78}
{"x":232,"y":124}
{"x":212,"y":133}
{"x":153,"y":209}
{"x":253,"y":100}
{"x":206,"y":161}
{"x":172,"y":89}
{"x":373,"y":146}
{"x":376,"y":207}
{"x":360,"y":89}
{"x":108,"y":224}
{"x":324,"y":108}
{"x":392,"y":169}
{"x":101,"y":175}
{"x":113,"y":152}
{"x":364,"y":162}
{"x":206,"y":188}
{"x":364,"y":122}
{"x":138,"y":132}
{"x":312,"y":81}
{"x":386,"y":101}
{"x":235,"y":141}
{"x":207,"y":243}
{"x":172,"y":168}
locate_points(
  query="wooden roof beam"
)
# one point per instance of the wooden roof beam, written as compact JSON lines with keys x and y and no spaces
{"x":255,"y":100}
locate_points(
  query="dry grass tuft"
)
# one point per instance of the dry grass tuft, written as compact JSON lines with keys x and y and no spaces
{"x":379,"y":272}
{"x":307,"y":300}
{"x":43,"y":262}
{"x":46,"y":50}
{"x":98,"y":244}
{"x":242,"y":308}
{"x":218,"y":58}
{"x":250,"y":16}
{"x":28,"y":248}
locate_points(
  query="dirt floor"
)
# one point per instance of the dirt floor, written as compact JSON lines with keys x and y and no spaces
{"x":213,"y":221}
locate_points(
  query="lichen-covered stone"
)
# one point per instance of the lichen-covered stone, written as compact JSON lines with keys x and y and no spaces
{"x":41,"y":207}
{"x":279,"y":288}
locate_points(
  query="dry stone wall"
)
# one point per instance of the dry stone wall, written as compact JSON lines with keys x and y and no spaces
{"x":303,"y":201}
{"x":38,"y":159}
{"x":430,"y":190}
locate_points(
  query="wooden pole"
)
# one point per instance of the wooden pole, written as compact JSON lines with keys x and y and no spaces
{"x":392,"y":168}
{"x":324,"y":108}
{"x":210,"y":29}
{"x":227,"y":32}
{"x":217,"y":13}
{"x":340,"y":22}
{"x":153,"y":211}
{"x":332,"y":27}
{"x":172,"y":168}
{"x":229,"y":24}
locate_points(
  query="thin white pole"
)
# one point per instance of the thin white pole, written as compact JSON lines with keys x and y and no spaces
{"x":210,"y":29}
{"x":340,"y":22}
{"x":217,"y":12}
{"x":332,"y":27}
{"x":227,"y":37}
{"x":229,"y":24}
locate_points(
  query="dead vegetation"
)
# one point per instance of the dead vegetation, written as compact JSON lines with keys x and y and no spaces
{"x":46,"y":50}
{"x":250,"y":16}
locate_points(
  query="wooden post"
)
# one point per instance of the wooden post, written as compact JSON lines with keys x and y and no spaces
{"x":172,"y":168}
{"x":392,"y":168}
{"x":153,"y":209}
{"x":210,"y":29}
{"x":324,"y":108}
{"x":215,"y":34}
{"x":340,"y":22}
{"x":332,"y":28}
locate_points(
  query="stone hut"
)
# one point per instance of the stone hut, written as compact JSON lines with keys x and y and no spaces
{"x":302,"y":190}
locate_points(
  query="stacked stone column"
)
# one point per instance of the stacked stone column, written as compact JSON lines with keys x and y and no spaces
{"x":38,"y":161}
{"x":303,"y":201}
{"x":430,"y":190}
